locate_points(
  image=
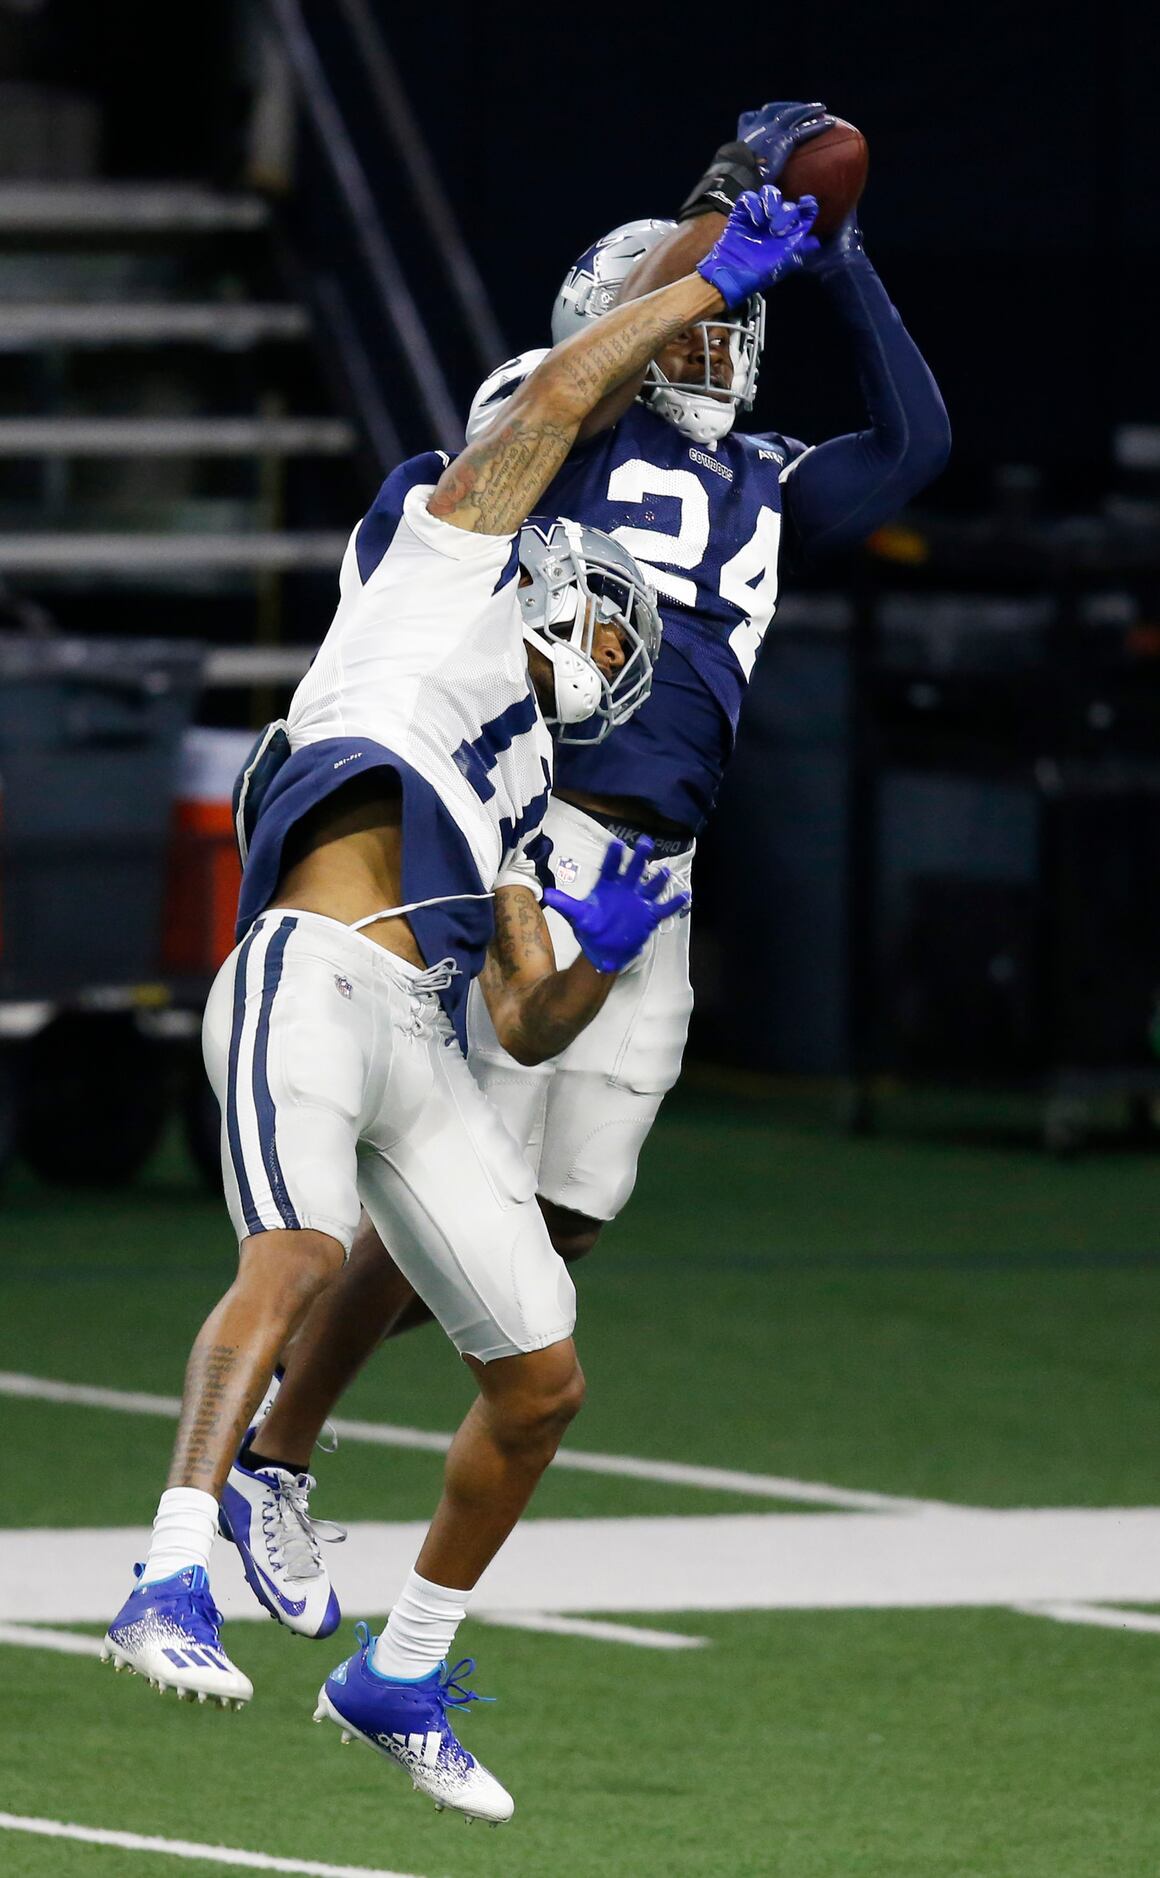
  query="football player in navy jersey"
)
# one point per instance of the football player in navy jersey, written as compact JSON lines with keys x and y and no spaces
{"x":714,"y":516}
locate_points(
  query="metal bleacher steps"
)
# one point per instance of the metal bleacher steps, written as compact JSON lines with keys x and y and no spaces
{"x":51,"y":210}
{"x":181,"y":553}
{"x":35,"y":325}
{"x":173,"y":436}
{"x":165,"y":422}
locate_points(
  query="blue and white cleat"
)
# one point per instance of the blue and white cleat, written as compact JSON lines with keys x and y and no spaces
{"x":407,"y":1721}
{"x":168,"y":1633}
{"x":267,"y":1515}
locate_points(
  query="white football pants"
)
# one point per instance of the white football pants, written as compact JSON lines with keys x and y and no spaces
{"x":584,"y":1116}
{"x":341,"y":1082}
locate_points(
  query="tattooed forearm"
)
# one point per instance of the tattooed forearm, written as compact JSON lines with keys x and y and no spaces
{"x":620,"y":344}
{"x":553,"y":1012}
{"x":495,"y":484}
{"x":499,"y":479}
{"x":521,"y":951}
{"x":536,"y":1010}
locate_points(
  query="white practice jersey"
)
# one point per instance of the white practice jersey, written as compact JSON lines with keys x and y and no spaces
{"x":424,"y":672}
{"x":425,"y":657}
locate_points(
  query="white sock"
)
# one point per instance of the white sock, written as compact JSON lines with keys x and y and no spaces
{"x":183,"y":1533}
{"x":420,"y":1629}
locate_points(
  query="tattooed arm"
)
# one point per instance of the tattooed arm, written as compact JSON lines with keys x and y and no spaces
{"x":536,"y":1010}
{"x":495,"y":484}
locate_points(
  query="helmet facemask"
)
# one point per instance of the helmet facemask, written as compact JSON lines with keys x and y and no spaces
{"x":706,"y":412}
{"x":577,"y":579}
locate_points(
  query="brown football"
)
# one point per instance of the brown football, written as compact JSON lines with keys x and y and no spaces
{"x":831,"y":166}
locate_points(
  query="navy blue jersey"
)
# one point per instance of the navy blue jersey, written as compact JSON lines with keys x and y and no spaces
{"x":705,"y":526}
{"x":707,"y":523}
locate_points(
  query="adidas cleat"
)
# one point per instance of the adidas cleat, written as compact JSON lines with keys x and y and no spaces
{"x":168,"y":1633}
{"x":407,"y":1721}
{"x":267,"y":1515}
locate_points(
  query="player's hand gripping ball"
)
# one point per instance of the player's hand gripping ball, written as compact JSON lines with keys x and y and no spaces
{"x":774,"y":132}
{"x":831,"y":165}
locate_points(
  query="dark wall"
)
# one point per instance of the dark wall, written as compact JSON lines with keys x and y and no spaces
{"x":165,"y":77}
{"x":1013,"y":206}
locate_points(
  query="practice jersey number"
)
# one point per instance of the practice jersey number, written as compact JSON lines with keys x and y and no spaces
{"x":748,"y":581}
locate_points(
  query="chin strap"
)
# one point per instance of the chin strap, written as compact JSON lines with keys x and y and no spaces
{"x":577,"y":683}
{"x":701,"y":418}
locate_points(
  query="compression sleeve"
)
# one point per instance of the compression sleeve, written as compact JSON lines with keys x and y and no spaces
{"x":839,"y":492}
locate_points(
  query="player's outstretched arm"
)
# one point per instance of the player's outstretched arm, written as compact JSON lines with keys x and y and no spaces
{"x":765,"y":141}
{"x":837,"y":494}
{"x":537,"y":1010}
{"x":495,"y":484}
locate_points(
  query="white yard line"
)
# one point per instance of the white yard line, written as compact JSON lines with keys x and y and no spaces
{"x":185,"y":1848}
{"x":729,"y":1480}
{"x":855,"y":1545}
{"x":63,"y":1642}
{"x":45,"y":1389}
{"x":71,"y":1643}
{"x":1100,"y":1616}
{"x":579,"y":1627}
{"x":647,"y":1569}
{"x":577,"y":1460}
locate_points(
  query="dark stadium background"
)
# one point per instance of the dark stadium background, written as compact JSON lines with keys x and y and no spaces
{"x":911,"y":693}
{"x":1014,"y":203}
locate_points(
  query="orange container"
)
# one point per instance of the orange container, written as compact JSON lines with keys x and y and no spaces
{"x":204,"y":872}
{"x":202,"y":894}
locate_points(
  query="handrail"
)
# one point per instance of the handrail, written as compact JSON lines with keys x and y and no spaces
{"x":382,"y":263}
{"x":395,"y":107}
{"x":360,"y":374}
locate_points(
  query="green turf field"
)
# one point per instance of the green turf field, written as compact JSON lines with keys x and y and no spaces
{"x":964,"y":1324}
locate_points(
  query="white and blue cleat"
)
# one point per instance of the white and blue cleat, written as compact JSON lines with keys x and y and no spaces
{"x":407,"y":1721}
{"x":167,"y":1632}
{"x":267,"y":1515}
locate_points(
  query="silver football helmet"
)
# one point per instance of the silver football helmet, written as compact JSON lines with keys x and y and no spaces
{"x":703,"y":412}
{"x":576,"y":579}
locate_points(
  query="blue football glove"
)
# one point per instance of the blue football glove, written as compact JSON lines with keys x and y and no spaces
{"x":613,"y":922}
{"x":776,"y":129}
{"x":838,"y":250}
{"x":765,"y":238}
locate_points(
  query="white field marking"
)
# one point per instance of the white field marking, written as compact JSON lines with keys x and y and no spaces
{"x":388,"y":1435}
{"x":1101,"y":1616}
{"x":72,"y":1643}
{"x":675,"y":1473}
{"x":645,"y":1567}
{"x":64,"y":1642}
{"x":45,"y":1389}
{"x":570,"y":1627}
{"x":186,"y":1848}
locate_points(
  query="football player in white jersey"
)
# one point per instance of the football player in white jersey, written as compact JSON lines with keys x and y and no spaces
{"x":392,"y":832}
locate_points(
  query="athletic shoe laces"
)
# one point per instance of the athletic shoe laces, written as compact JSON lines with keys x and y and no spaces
{"x":207,"y":1619}
{"x":291,"y":1535}
{"x":449,"y":1691}
{"x":191,"y":1605}
{"x":461,"y":1697}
